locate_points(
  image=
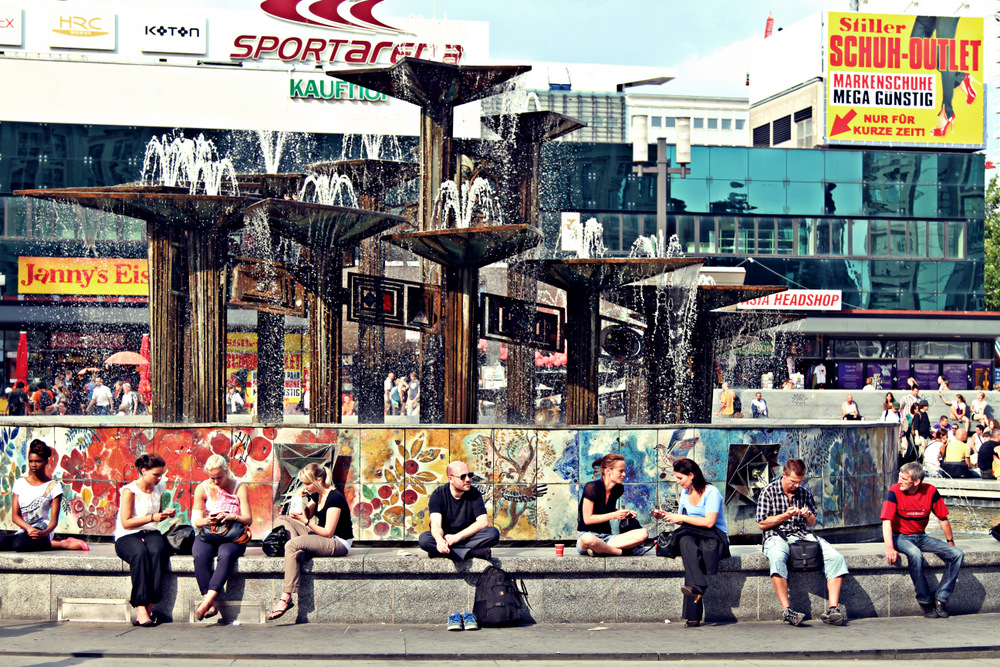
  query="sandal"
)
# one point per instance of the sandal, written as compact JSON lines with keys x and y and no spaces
{"x":212,"y":611}
{"x":278,"y":613}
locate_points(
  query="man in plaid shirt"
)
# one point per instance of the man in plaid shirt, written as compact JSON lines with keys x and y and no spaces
{"x":785,"y":512}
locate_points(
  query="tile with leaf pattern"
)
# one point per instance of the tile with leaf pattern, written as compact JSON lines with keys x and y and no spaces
{"x":514,"y":455}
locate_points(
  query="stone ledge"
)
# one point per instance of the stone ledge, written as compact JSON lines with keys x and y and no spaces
{"x":382,"y":562}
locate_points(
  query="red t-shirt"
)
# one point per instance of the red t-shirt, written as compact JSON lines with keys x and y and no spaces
{"x":909,"y":513}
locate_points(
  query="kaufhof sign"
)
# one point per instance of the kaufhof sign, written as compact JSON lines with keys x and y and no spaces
{"x":901,"y":79}
{"x":377,"y":43}
{"x":82,"y":276}
{"x":796,"y":299}
{"x":71,"y":28}
{"x":11,"y":26}
{"x":173,"y":33}
{"x":331,"y":89}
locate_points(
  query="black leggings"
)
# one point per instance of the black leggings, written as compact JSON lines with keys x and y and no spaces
{"x":204,"y":552}
{"x":146,"y":555}
{"x":21,"y":542}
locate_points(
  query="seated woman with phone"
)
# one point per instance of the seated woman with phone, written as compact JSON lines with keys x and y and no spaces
{"x":219,"y":502}
{"x":597,"y":509}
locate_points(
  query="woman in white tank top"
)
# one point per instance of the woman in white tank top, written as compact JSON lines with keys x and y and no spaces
{"x":138,"y":540}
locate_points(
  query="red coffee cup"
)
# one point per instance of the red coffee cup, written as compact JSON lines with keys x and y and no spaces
{"x":559,"y":550}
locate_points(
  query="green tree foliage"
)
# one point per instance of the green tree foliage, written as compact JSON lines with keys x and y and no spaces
{"x":993,"y":244}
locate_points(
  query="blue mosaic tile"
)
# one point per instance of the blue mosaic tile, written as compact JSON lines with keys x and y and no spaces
{"x":594,"y":445}
{"x":714,"y":444}
{"x":639,"y":447}
{"x":557,"y":512}
{"x":674,"y":444}
{"x":640,"y":498}
{"x":558,"y":455}
{"x":829,"y":495}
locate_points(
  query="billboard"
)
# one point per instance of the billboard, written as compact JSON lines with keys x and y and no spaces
{"x":904,"y":80}
{"x":82,"y":276}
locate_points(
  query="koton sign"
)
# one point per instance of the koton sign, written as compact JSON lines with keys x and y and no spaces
{"x":172,"y":33}
{"x":796,"y":299}
{"x":11,"y":25}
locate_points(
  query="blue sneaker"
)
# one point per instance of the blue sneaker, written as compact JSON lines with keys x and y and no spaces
{"x":469,"y":621}
{"x":455,"y":621}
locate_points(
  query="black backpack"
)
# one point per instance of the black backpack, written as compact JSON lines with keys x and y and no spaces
{"x":45,"y":399}
{"x":499,"y":600}
{"x":16,"y":402}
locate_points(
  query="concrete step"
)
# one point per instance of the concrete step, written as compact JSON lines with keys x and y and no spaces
{"x":93,"y":609}
{"x":241,"y":612}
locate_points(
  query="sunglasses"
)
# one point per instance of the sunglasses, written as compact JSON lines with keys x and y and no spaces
{"x":464,"y":476}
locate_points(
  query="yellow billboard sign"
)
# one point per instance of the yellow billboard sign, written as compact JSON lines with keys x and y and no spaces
{"x":82,"y":276}
{"x":902,"y":79}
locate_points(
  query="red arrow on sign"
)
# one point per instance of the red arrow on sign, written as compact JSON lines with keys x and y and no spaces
{"x":841,"y":125}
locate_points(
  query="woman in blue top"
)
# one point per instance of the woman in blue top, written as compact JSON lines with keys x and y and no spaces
{"x":705,"y":538}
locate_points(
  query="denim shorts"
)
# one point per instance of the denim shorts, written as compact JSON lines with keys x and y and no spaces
{"x":605,"y":537}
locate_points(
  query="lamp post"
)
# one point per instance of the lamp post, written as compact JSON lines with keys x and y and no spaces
{"x":662,"y":168}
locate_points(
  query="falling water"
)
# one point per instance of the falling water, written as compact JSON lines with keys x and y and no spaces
{"x":371,"y":147}
{"x":173,"y":161}
{"x":588,"y":238}
{"x":272,"y":145}
{"x":328,"y":189}
{"x":475,"y":202}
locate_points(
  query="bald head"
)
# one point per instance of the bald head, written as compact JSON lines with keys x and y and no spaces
{"x":457,"y":468}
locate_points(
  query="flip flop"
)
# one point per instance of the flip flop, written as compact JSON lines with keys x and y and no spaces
{"x":211,"y":612}
{"x":278,"y":614}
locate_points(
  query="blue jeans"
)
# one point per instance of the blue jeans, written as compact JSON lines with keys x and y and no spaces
{"x":776,"y":550}
{"x":912,"y":547}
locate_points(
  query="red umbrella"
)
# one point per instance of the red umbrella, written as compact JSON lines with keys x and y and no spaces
{"x":21,"y":367}
{"x":126,"y":358}
{"x":145,"y":388}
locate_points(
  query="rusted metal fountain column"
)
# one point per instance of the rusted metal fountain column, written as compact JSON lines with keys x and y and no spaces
{"x":325,"y":343}
{"x":583,"y":334}
{"x":526,"y":132}
{"x":206,"y":359}
{"x":166,"y":316}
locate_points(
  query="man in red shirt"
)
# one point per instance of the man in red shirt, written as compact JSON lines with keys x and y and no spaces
{"x":905,"y":512}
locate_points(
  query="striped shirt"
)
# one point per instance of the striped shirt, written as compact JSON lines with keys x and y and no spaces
{"x":909,"y":512}
{"x":774,"y":501}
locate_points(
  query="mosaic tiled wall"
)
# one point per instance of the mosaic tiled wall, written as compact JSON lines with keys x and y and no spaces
{"x":531,"y":478}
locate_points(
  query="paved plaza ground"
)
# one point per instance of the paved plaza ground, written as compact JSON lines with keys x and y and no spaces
{"x":971,"y":637}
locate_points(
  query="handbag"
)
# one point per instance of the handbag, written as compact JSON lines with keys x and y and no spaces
{"x":274,"y":543}
{"x":180,"y":538}
{"x":627,"y":524}
{"x":805,"y":556}
{"x":225,"y":531}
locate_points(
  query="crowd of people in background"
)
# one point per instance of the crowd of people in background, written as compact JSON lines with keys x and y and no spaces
{"x":402,"y":395}
{"x":70,"y":395}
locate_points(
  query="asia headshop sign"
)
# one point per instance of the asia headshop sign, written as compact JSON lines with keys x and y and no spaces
{"x":796,"y":299}
{"x":901,"y":79}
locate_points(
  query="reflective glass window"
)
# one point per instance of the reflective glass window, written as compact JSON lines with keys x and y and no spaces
{"x":842,"y":166}
{"x":842,"y":198}
{"x":133,"y":230}
{"x":838,"y":237}
{"x":918,"y":168}
{"x":880,"y":167}
{"x":729,"y":197}
{"x":956,"y":239}
{"x":941,"y":349}
{"x":698,"y":123}
{"x":685,"y":225}
{"x":859,"y":237}
{"x":689,"y":194}
{"x":728,"y":163}
{"x":822,"y":236}
{"x":727,"y":235}
{"x":785,"y":236}
{"x":713,"y":123}
{"x":881,"y":199}
{"x":806,"y":237}
{"x":959,"y":169}
{"x":973,"y":202}
{"x":740,"y":123}
{"x":701,"y":165}
{"x":727,"y":123}
{"x":878,"y":245}
{"x":919,"y":201}
{"x":897,"y":238}
{"x":805,"y":198}
{"x":706,"y":234}
{"x":630,"y":230}
{"x":805,"y":165}
{"x":765,"y":236}
{"x":767,"y":164}
{"x":612,"y":232}
{"x":935,"y":239}
{"x":767,"y":197}
{"x":656,"y":121}
{"x":746,"y":245}
{"x":15,"y":211}
{"x":918,"y":238}
{"x":669,"y":122}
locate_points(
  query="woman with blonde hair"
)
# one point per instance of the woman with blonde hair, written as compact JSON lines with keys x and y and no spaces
{"x":322,"y":528}
{"x":597,"y":510}
{"x":220,"y":501}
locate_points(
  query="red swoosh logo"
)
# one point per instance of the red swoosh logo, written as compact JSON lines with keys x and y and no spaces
{"x":328,"y":14}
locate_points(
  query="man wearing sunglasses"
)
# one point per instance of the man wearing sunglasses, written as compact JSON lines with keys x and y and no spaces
{"x":459,"y":524}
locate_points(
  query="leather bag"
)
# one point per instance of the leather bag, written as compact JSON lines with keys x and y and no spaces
{"x":666,"y":544}
{"x":180,"y":538}
{"x":805,"y":556}
{"x":225,"y":531}
{"x":274,"y":543}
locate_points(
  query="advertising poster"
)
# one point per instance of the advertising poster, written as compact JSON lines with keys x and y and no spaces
{"x":926,"y":376}
{"x":957,"y":375}
{"x":905,"y":80}
{"x":850,"y":375}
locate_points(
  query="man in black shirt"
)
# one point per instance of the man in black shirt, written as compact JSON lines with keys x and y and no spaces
{"x":459,"y":524}
{"x":987,"y":454}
